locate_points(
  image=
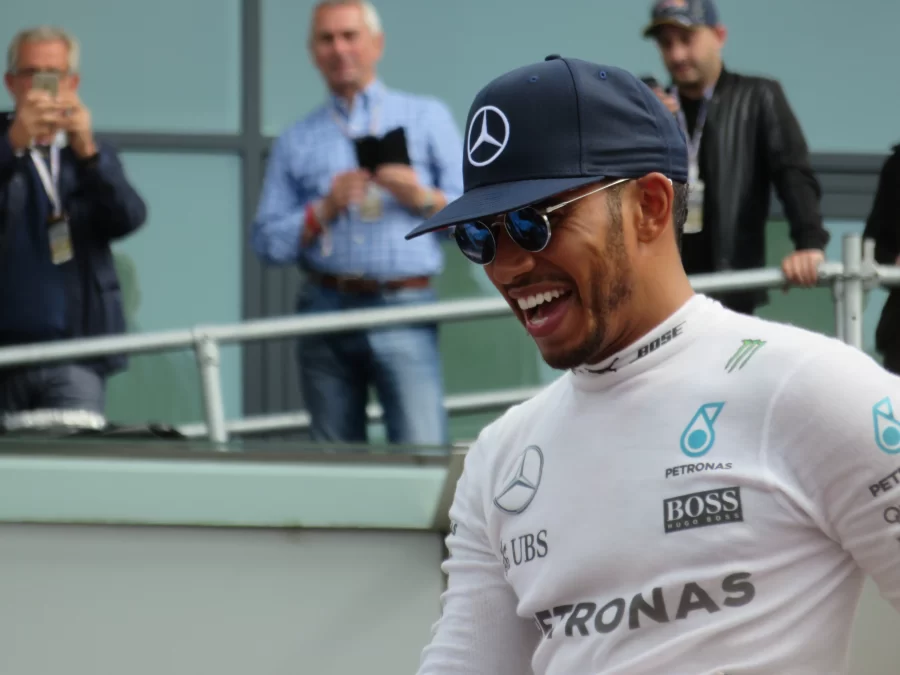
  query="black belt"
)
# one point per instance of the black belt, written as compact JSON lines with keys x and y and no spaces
{"x":360,"y":285}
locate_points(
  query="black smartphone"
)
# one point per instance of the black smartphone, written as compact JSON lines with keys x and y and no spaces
{"x":368,"y":152}
{"x":651,"y":82}
{"x":393,"y":147}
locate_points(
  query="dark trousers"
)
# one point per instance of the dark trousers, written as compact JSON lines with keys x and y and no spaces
{"x":53,"y":386}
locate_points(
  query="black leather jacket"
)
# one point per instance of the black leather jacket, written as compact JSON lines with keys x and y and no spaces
{"x":752,"y":141}
{"x":883,"y":225}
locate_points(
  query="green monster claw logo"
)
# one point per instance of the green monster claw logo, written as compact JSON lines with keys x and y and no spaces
{"x":744,"y":353}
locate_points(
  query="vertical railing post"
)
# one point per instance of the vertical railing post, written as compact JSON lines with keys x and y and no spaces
{"x":854,"y":293}
{"x":207,"y":353}
{"x":868,"y":254}
{"x":837,"y":293}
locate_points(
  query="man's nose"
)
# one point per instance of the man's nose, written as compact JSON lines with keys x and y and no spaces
{"x":677,"y":52}
{"x":511,"y":261}
{"x":341,"y":46}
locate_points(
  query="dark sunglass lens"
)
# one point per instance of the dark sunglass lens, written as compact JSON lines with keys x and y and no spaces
{"x":475,"y":241}
{"x":528,"y":229}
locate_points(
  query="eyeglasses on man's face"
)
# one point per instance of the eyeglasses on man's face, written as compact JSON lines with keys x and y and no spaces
{"x":529,"y":227}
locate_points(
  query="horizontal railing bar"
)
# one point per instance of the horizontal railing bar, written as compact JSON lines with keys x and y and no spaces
{"x":487,"y":401}
{"x":266,"y":329}
{"x":358,"y":319}
{"x":86,"y":348}
{"x":750,"y":280}
{"x":888,"y":275}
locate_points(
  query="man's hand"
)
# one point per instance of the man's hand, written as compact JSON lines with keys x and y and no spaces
{"x":401,"y":181}
{"x":76,"y":122}
{"x":668,"y":100}
{"x":346,"y":188}
{"x":37,"y":118}
{"x":802,"y":267}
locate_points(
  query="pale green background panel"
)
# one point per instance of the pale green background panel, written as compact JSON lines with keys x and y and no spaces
{"x":166,"y":65}
{"x":182,"y":269}
{"x":834,"y":63}
{"x":229,"y":494}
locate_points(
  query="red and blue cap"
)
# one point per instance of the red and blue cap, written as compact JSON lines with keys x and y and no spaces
{"x":554,"y":126}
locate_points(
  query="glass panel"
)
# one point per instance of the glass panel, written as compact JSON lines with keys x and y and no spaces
{"x":427,"y":48}
{"x":291,"y":86}
{"x":166,"y":65}
{"x":831,"y":48}
{"x":183,"y":268}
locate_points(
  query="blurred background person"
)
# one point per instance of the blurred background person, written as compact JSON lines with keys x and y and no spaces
{"x":64,"y":198}
{"x":743,"y":138}
{"x":883,"y":225}
{"x":344,"y":227}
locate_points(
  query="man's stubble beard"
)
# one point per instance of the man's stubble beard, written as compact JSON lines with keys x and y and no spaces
{"x":611,"y":286}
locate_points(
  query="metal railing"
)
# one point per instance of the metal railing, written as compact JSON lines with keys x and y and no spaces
{"x":849,"y":279}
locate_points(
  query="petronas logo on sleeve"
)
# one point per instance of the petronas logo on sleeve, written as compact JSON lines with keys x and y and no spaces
{"x":887,"y":427}
{"x":744,"y":353}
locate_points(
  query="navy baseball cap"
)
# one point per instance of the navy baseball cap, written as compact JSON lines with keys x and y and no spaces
{"x":683,"y":13}
{"x":554,"y":126}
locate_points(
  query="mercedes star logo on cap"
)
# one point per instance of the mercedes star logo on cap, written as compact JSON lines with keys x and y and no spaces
{"x":484,"y":120}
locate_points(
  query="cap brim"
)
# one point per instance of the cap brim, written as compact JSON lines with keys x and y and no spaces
{"x":650,"y":31}
{"x":489,"y":200}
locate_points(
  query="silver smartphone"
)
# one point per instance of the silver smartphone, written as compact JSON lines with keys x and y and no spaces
{"x":46,"y":82}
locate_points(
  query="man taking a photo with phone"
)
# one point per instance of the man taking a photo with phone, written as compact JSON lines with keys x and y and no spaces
{"x":64,"y":198}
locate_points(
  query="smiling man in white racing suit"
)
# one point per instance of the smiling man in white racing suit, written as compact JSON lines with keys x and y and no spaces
{"x":700,"y":492}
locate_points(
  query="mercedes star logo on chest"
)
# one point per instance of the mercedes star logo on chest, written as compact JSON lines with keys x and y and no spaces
{"x":522,"y":484}
{"x":488,"y":135}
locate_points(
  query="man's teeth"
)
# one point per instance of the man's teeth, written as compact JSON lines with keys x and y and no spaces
{"x":534,"y":300}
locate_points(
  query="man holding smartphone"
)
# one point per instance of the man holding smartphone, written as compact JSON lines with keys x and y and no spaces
{"x":64,"y":198}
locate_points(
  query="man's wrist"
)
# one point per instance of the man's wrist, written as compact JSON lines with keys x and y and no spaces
{"x":325,"y":210}
{"x":85,"y":149}
{"x":428,"y":202}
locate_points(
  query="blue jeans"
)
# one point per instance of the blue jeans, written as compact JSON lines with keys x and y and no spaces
{"x":58,"y":387}
{"x":402,"y":362}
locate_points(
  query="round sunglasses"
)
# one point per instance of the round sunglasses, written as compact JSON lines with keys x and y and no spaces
{"x":528,"y":227}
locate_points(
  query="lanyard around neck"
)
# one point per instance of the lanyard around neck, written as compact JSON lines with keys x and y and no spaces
{"x":693,"y":141}
{"x":49,"y":176}
{"x":344,"y":126}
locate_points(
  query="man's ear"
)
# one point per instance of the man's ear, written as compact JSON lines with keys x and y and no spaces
{"x":656,"y":198}
{"x":721,"y":33}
